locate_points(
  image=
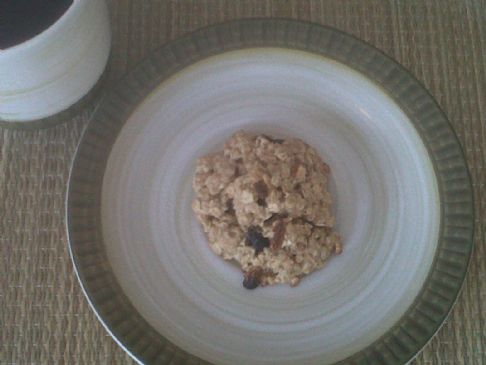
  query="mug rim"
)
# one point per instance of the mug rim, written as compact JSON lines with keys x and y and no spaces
{"x":69,"y":56}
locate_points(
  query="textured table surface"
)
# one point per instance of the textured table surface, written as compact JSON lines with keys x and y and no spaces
{"x":44,"y":318}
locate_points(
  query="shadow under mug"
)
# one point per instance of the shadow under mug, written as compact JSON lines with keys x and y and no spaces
{"x":54,"y":69}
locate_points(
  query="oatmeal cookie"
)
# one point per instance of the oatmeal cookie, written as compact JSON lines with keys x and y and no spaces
{"x":263,"y":203}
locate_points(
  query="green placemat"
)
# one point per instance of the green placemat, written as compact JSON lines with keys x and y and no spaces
{"x":44,"y":318}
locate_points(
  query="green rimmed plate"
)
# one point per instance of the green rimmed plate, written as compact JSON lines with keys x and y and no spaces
{"x":403,"y":201}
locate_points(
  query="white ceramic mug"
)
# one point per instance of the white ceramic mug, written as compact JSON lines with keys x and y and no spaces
{"x":53,"y":70}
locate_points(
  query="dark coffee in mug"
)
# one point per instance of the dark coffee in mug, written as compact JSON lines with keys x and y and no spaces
{"x":21,"y":20}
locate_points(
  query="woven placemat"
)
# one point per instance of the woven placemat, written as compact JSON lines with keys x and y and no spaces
{"x":44,"y":318}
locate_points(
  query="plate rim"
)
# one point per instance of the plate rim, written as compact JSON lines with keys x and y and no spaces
{"x":445,"y":279}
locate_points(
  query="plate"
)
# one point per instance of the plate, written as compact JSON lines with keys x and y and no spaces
{"x":401,"y":188}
